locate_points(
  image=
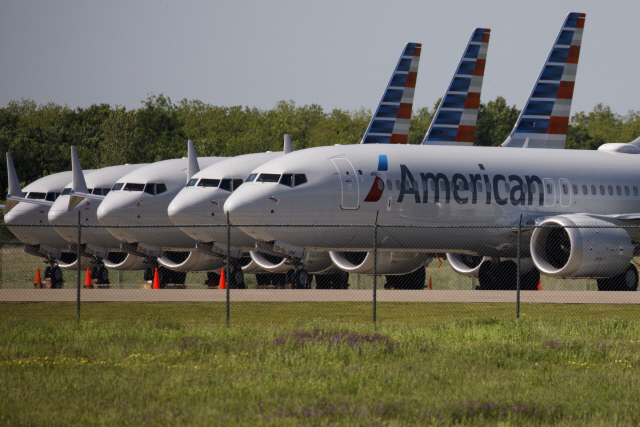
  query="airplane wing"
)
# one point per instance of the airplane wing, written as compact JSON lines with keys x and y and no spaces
{"x":455,"y":120}
{"x":544,"y":120}
{"x":390,"y":123}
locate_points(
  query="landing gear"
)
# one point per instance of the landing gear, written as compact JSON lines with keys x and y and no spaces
{"x":503,"y":276}
{"x":166,"y":277}
{"x":235,"y":278}
{"x":54,"y":273}
{"x":100,"y":274}
{"x":332,"y":281}
{"x":413,"y":280}
{"x":298,"y":278}
{"x":626,"y":281}
{"x":213,"y":280}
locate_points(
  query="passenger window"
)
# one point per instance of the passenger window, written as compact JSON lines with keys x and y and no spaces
{"x":130,"y":186}
{"x":205,"y":182}
{"x":380,"y":184}
{"x":225,"y":184}
{"x":433,"y":186}
{"x":252,"y":177}
{"x":593,"y":189}
{"x":506,"y":187}
{"x":150,"y":188}
{"x":618,"y":190}
{"x":602,"y":190}
{"x":626,"y":190}
{"x":415,"y":185}
{"x":524,"y":188}
{"x":549,"y":189}
{"x":287,"y":179}
{"x":565,"y":190}
{"x":610,"y":190}
{"x":237,"y":183}
{"x":442,"y":188}
{"x":533,"y":188}
{"x":160,"y":188}
{"x":269,"y":177}
{"x":635,"y":190}
{"x":575,"y":189}
{"x":407,"y":185}
{"x":479,"y":187}
{"x":585,"y":190}
{"x":488,"y":186}
{"x":116,"y":187}
{"x":192,"y":182}
{"x":299,"y":179}
{"x":390,"y":184}
{"x":424,"y":184}
{"x":397,"y":184}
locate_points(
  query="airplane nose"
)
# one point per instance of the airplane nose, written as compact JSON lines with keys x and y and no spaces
{"x":57,"y":216}
{"x":246,"y":205}
{"x":116,"y":209}
{"x":183,"y":212}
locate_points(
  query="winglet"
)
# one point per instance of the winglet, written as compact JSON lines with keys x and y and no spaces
{"x":78,"y":184}
{"x":288,"y":148}
{"x":455,"y":120}
{"x":14,"y":183}
{"x":192,"y":165}
{"x":390,"y":123}
{"x":545,"y":118}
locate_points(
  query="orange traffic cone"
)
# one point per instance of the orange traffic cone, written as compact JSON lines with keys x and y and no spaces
{"x":38,"y":283}
{"x":539,"y":281}
{"x":87,"y":280}
{"x":430,"y":287}
{"x":223,"y":281}
{"x":156,"y":280}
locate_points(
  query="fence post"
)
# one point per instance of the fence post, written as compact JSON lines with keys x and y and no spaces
{"x":79,"y":261}
{"x":518,"y":274}
{"x":228,"y":272}
{"x":375,"y":266}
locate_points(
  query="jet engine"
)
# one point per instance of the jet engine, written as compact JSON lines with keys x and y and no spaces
{"x":389,"y":263}
{"x":123,"y":261}
{"x":314,"y":262}
{"x":469,"y":265}
{"x":191,"y":261}
{"x":561,"y":249}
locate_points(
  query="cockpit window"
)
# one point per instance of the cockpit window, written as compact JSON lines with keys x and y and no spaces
{"x":66,"y":191}
{"x":117,"y":187}
{"x":192,"y":182}
{"x":36,"y":196}
{"x":209,"y":182}
{"x":287,"y":179}
{"x":97,"y":191}
{"x":237,"y":183}
{"x":300,"y":179}
{"x":150,"y":188}
{"x":105,"y":191}
{"x":130,"y":186}
{"x":268,"y":177}
{"x":160,"y":188}
{"x":52,"y":196}
{"x":225,"y":184}
{"x":252,"y":177}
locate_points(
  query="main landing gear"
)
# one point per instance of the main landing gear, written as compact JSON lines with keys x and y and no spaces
{"x":503,"y":275}
{"x":626,"y":281}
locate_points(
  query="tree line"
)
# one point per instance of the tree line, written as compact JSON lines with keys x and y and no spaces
{"x":39,"y":136}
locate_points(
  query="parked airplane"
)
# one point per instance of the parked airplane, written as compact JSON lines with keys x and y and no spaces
{"x":99,"y":246}
{"x":141,"y":198}
{"x":202,"y":200}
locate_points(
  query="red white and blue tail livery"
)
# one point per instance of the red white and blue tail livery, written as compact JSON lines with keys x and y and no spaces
{"x":390,"y":123}
{"x":544,"y":120}
{"x":455,"y":120}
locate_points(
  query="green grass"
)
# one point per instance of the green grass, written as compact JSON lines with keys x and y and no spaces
{"x":318,"y":364}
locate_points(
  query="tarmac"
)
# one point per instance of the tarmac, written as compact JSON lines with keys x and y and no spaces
{"x":313,"y":295}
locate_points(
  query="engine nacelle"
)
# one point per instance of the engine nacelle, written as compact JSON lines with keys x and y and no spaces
{"x":65,"y":260}
{"x":191,"y":261}
{"x":469,"y":265}
{"x":313,"y":262}
{"x":588,"y":252}
{"x":389,"y":263}
{"x":123,"y":261}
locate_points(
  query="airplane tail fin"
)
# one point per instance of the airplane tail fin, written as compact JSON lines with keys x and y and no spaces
{"x":78,"y":183}
{"x":288,"y":147}
{"x":14,"y":186}
{"x":390,"y":123}
{"x":192,"y":161}
{"x":544,"y":120}
{"x":455,"y":120}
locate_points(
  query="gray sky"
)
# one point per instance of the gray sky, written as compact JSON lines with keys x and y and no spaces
{"x":333,"y":53}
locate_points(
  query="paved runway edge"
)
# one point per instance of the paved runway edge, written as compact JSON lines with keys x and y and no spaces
{"x":287,"y":295}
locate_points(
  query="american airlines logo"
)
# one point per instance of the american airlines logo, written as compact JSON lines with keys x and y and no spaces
{"x":519,"y":191}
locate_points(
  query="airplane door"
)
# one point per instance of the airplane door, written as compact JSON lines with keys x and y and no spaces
{"x":549,"y":192}
{"x":349,"y":182}
{"x":565,"y":192}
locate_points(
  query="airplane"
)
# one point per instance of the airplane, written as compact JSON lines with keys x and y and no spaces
{"x":468,"y":187}
{"x":100,"y":247}
{"x":205,"y":195}
{"x":141,"y":198}
{"x":403,"y":270}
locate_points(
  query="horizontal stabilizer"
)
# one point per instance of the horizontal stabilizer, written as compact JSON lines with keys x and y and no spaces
{"x":390,"y":123}
{"x":25,"y":200}
{"x":545,"y":118}
{"x":455,"y":120}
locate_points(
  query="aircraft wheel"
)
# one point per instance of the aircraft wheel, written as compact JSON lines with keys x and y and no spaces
{"x":323,"y":281}
{"x":213,"y":280}
{"x":263,"y":280}
{"x":341,"y":280}
{"x":301,"y":279}
{"x":529,"y":281}
{"x":627,"y":281}
{"x":236,"y":278}
{"x":498,"y":275}
{"x":56,"y":277}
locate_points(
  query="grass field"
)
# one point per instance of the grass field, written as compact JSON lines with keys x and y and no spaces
{"x":318,"y":364}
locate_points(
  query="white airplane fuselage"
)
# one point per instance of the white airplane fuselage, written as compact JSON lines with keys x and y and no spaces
{"x":340,"y":190}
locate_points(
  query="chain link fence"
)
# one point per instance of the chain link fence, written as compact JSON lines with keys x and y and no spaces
{"x":264,"y":273}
